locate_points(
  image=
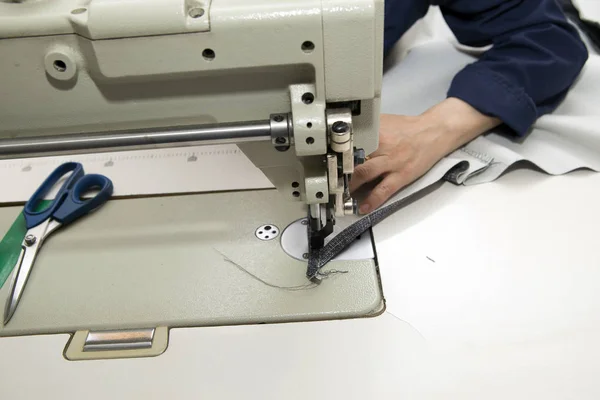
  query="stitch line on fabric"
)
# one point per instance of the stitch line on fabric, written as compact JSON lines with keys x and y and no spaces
{"x":480,"y":156}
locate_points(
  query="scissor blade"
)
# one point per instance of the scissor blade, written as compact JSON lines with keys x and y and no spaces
{"x":22,"y":271}
{"x":12,"y":300}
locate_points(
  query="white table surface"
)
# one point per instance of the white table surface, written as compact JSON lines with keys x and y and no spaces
{"x":509,"y":308}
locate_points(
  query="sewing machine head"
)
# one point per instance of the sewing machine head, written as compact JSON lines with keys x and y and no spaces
{"x":295,"y":83}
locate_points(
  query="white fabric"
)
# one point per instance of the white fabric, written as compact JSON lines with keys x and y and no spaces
{"x":419,"y":74}
{"x":588,"y":9}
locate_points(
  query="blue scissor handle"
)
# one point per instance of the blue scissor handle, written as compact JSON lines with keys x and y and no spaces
{"x":74,"y":206}
{"x":33,"y":217}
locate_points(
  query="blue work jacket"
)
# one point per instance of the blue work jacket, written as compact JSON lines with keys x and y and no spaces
{"x":536,"y":53}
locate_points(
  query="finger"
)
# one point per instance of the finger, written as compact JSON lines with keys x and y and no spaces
{"x":383,"y":149}
{"x":382,"y":192}
{"x":379,"y":152}
{"x":369,"y":171}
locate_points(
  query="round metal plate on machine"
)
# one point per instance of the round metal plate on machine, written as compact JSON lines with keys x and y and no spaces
{"x":294,"y":241}
{"x":267,"y":232}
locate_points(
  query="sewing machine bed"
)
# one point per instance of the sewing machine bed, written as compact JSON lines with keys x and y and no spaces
{"x":160,"y":261}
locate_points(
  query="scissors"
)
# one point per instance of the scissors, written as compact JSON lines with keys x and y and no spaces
{"x":66,"y":207}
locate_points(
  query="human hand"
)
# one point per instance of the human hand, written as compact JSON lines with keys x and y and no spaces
{"x":410,"y":146}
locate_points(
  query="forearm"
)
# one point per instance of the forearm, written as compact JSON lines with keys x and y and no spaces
{"x":453,"y":124}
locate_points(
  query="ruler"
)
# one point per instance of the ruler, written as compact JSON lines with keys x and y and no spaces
{"x":142,"y":172}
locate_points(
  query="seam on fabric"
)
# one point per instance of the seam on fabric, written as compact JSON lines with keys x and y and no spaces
{"x":485,"y":158}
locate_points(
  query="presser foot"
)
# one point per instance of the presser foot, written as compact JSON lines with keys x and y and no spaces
{"x":319,"y":230}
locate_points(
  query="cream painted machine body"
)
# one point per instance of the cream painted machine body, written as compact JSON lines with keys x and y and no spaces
{"x":294,"y":83}
{"x":71,"y":67}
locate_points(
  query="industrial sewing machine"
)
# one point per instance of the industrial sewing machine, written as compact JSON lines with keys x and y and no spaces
{"x":295,"y":84}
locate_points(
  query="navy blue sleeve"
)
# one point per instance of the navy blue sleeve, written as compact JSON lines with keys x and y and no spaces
{"x":535,"y":57}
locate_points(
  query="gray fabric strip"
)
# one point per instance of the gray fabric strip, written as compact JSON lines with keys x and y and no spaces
{"x":318,"y":258}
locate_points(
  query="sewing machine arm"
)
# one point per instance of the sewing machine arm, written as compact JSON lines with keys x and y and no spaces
{"x":295,"y":84}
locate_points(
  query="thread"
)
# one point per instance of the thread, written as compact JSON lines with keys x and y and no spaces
{"x":323,"y":275}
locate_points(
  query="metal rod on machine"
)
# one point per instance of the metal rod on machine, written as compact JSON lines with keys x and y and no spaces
{"x":141,"y":138}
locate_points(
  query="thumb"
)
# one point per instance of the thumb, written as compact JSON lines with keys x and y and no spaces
{"x":381,"y":193}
